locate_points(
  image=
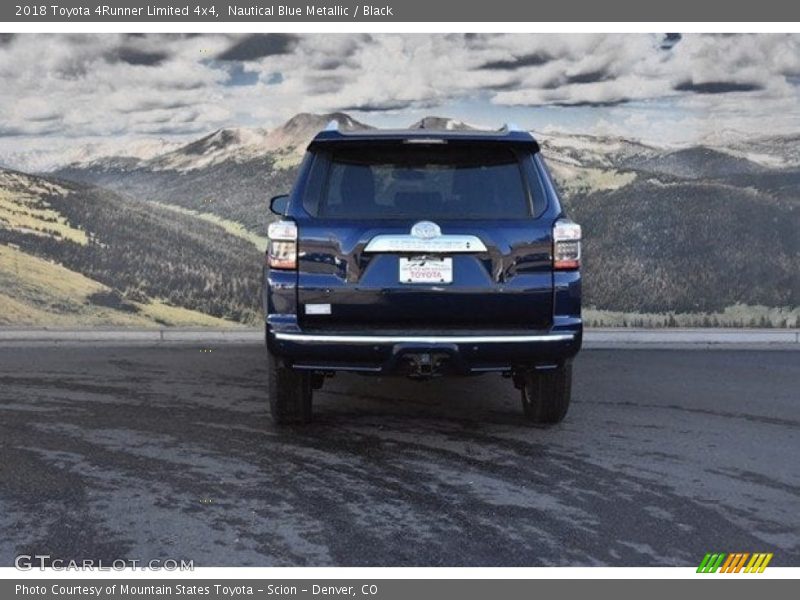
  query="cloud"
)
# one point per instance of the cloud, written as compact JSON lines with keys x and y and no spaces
{"x":259,"y":45}
{"x":108,"y":84}
{"x":153,"y":104}
{"x":589,"y":77}
{"x":716,"y":87}
{"x":669,"y":40}
{"x":386,"y":106}
{"x":132,"y":56}
{"x":239,"y":75}
{"x":527,"y":60}
{"x":325,"y":84}
{"x":590,"y":104}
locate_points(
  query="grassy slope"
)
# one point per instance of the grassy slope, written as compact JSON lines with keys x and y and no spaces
{"x":40,"y":293}
{"x":235,"y":191}
{"x":232,"y":227}
{"x":687,"y":247}
{"x":738,"y":315}
{"x":586,"y":180}
{"x":73,"y":255}
{"x":718,"y":244}
{"x":28,"y":210}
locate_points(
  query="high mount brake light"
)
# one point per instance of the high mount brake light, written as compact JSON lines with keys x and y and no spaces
{"x":424,"y":141}
{"x":566,"y":245}
{"x":282,"y":246}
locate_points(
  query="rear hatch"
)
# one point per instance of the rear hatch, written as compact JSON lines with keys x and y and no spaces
{"x":424,"y":235}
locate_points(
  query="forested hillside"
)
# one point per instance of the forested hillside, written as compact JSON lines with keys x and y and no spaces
{"x":697,"y":231}
{"x":141,"y":252}
{"x":680,"y":246}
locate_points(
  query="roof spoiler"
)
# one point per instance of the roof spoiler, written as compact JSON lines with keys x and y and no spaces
{"x":509,"y":133}
{"x":333,"y":125}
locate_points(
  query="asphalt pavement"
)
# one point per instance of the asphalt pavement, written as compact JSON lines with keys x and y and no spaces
{"x":168,"y":452}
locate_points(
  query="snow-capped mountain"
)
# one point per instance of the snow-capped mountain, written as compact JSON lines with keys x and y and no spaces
{"x":778,"y":152}
{"x":64,"y":152}
{"x":229,"y":170}
{"x":286,"y":143}
{"x":593,"y":151}
{"x":634,"y":199}
{"x":297,"y":132}
{"x":442,"y":123}
{"x":241,"y":145}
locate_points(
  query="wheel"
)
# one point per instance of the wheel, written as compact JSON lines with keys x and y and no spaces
{"x":546,"y":394}
{"x":290,"y":393}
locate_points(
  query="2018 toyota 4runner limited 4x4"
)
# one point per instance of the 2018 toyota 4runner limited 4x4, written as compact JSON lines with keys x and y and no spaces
{"x":422,"y":253}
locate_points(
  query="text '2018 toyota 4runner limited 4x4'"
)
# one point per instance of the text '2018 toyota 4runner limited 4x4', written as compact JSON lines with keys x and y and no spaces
{"x":422,"y":253}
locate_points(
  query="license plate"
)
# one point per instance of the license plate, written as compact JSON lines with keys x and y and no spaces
{"x":426,"y":270}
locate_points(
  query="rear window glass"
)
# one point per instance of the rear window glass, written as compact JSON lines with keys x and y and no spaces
{"x":422,"y":181}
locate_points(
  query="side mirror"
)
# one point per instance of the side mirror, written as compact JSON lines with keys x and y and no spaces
{"x":279,"y":203}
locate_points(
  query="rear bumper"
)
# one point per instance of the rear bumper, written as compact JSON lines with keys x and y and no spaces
{"x":457,"y":353}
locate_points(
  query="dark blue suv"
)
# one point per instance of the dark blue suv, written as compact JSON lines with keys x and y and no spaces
{"x":422,"y":253}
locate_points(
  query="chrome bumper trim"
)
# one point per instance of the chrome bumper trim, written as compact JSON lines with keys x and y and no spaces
{"x":422,"y":339}
{"x":448,"y":244}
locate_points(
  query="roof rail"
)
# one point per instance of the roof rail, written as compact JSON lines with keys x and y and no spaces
{"x":333,"y":125}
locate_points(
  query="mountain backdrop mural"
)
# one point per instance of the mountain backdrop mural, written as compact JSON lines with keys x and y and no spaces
{"x":168,"y":227}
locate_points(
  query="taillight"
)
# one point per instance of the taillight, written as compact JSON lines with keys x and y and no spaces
{"x":566,"y":245}
{"x":282,"y":247}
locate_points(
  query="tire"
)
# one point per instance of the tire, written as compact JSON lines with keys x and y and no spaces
{"x":546,"y":394}
{"x":290,"y":393}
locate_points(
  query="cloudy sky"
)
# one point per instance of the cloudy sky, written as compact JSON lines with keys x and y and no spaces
{"x":59,"y":89}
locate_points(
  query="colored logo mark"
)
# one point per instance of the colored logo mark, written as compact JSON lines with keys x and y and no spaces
{"x":735,"y":563}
